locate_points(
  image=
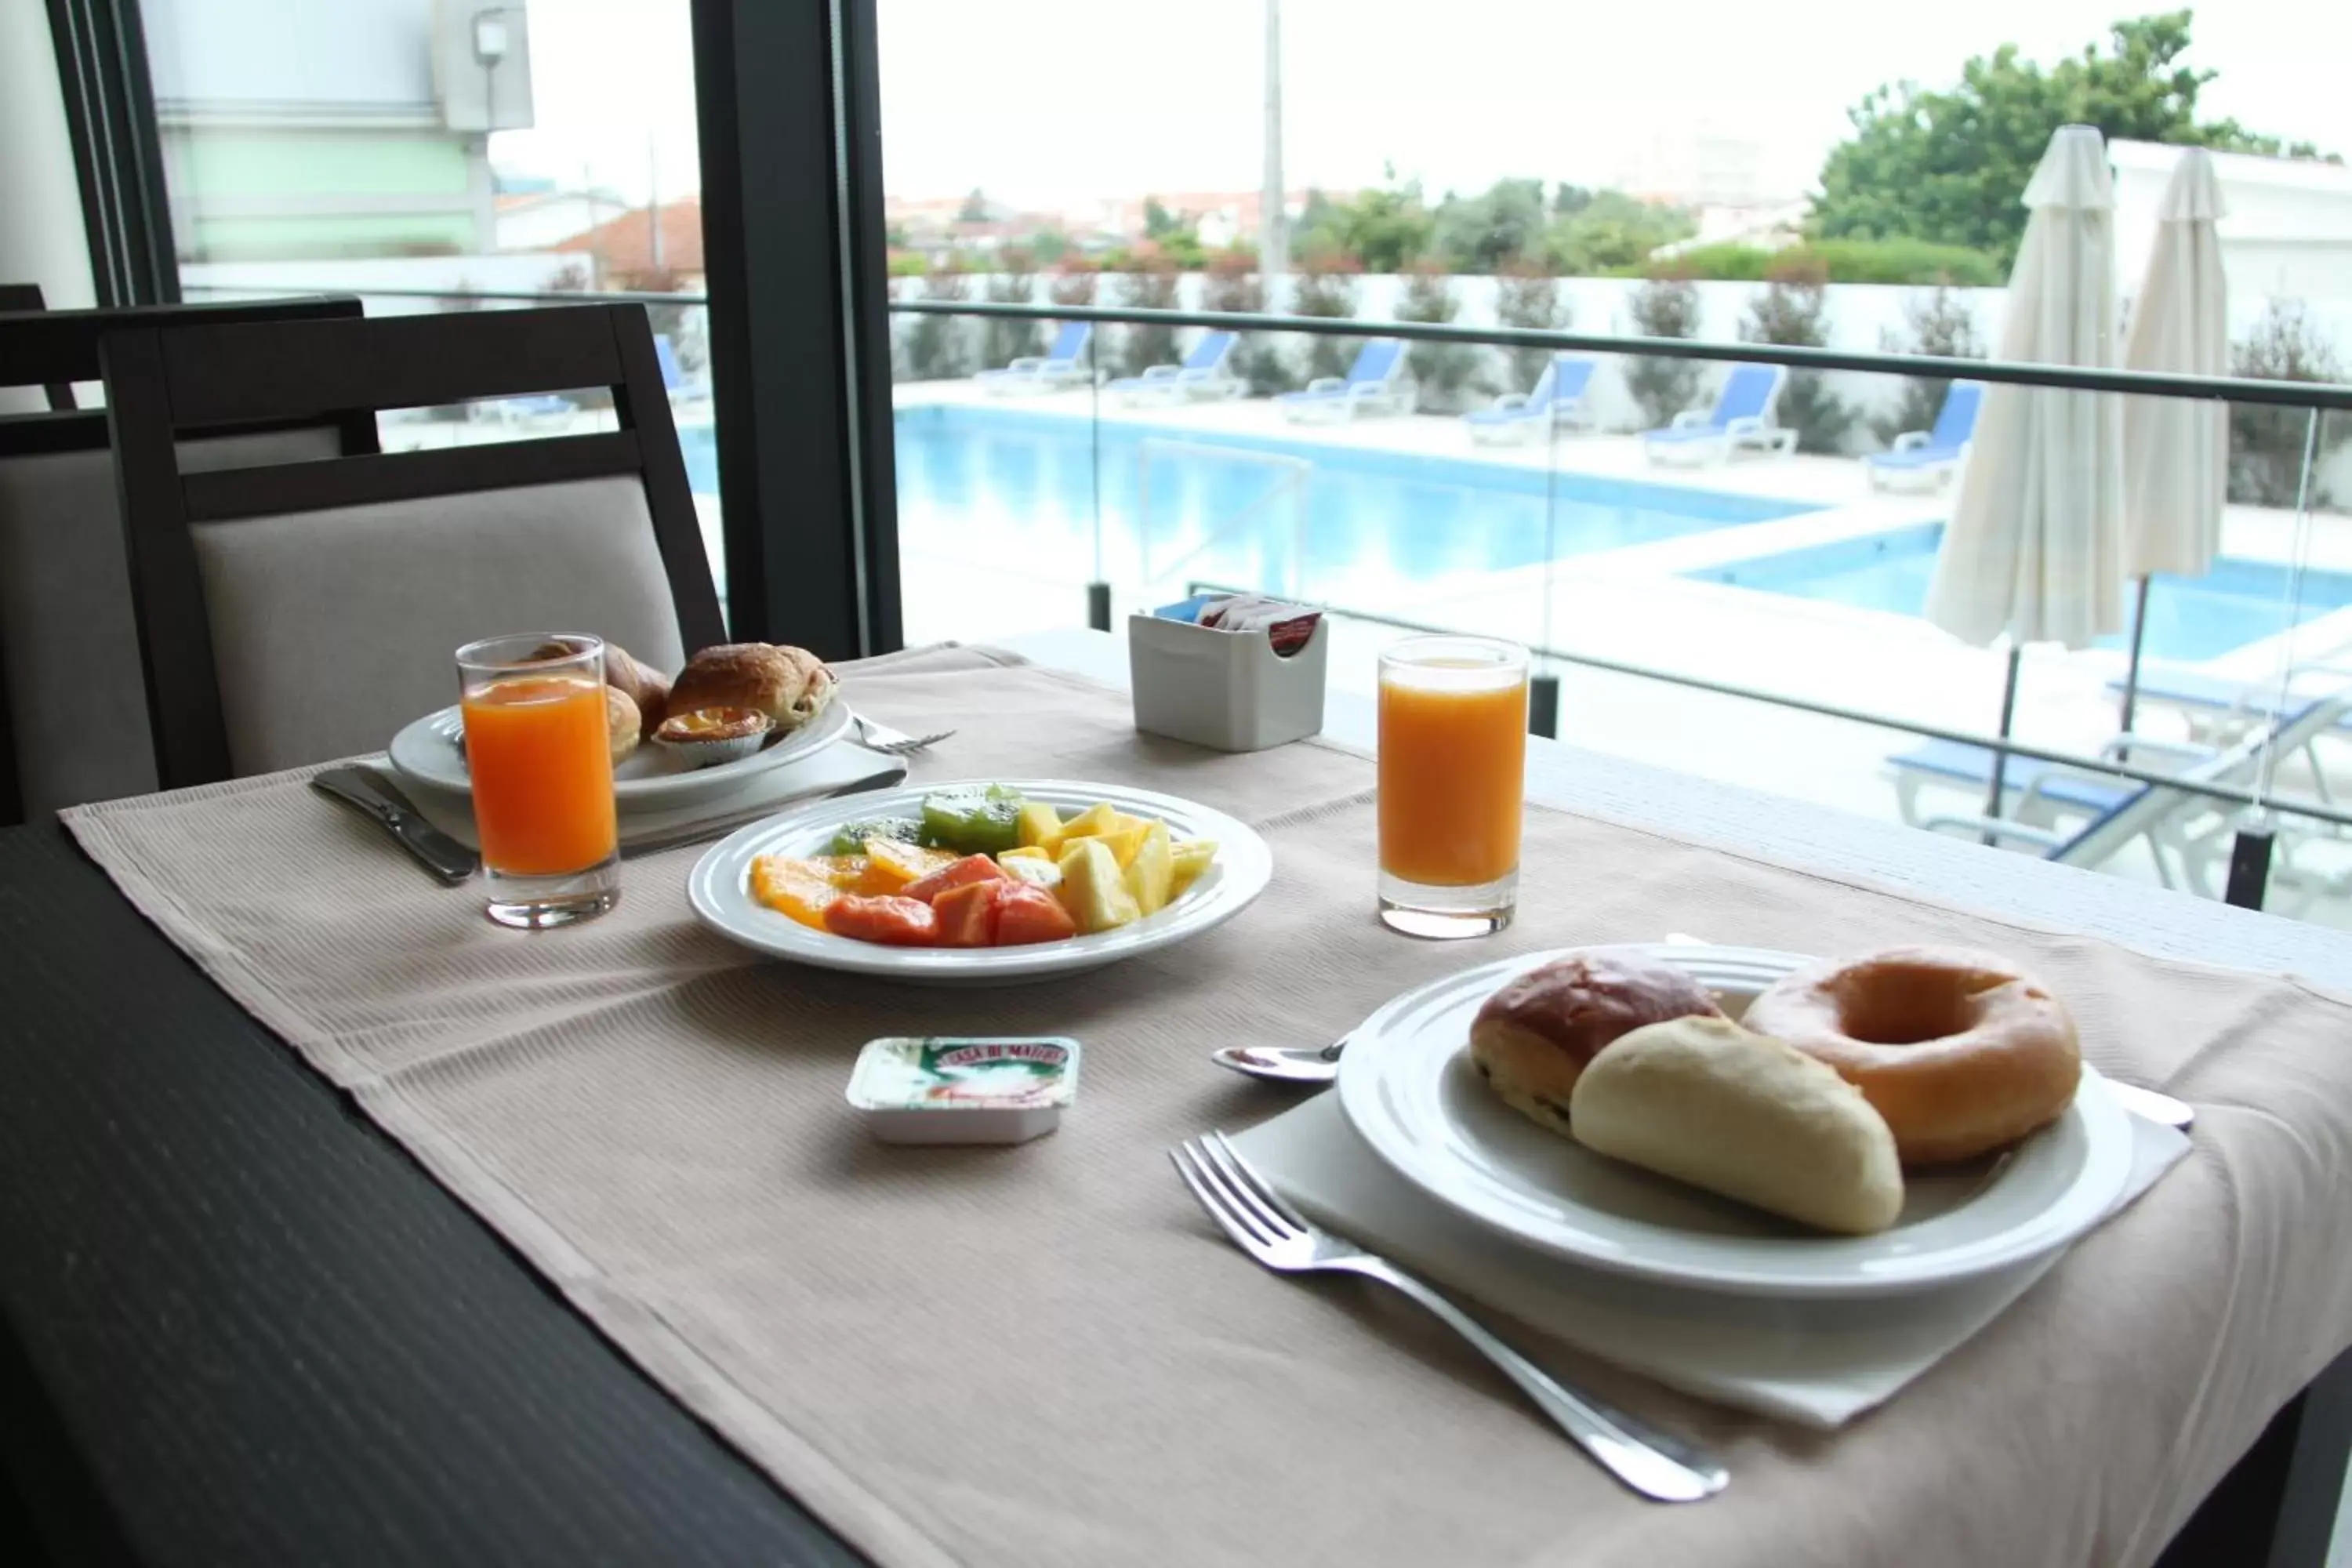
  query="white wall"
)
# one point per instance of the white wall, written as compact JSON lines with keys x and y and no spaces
{"x":41,"y":236}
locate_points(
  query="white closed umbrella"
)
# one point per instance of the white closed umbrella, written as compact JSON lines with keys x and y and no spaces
{"x":2034,"y":550}
{"x":2177,"y":449}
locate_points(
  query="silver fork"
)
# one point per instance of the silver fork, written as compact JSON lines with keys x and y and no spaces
{"x":871,"y":736}
{"x":1659,"y":1466}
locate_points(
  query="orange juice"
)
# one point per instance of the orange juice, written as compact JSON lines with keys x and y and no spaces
{"x":542,"y":773}
{"x":1453,"y":765}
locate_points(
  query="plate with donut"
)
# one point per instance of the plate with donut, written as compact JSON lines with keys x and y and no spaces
{"x":1747,"y":1121}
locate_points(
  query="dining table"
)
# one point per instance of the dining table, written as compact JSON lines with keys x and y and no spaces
{"x":241,"y":1322}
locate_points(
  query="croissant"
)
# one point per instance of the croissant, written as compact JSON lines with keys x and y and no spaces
{"x":790,"y":685}
{"x":646,"y":686}
{"x":622,"y":724}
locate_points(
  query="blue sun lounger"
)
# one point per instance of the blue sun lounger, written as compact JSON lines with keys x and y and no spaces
{"x":1556,"y":400}
{"x":1931,"y":455}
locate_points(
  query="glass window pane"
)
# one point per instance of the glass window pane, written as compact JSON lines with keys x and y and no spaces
{"x":429,"y":155}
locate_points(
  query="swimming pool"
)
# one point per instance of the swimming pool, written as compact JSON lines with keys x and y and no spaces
{"x":2189,"y":619}
{"x":1322,"y":520}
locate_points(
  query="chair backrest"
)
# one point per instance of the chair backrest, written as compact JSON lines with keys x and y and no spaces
{"x":1210,"y":352}
{"x":1747,"y":393}
{"x":1956,"y":425}
{"x":73,"y":705}
{"x":2150,"y":805}
{"x":289,"y":614}
{"x":1070,"y":342}
{"x":15,"y":298}
{"x":1376,"y":362}
{"x":1571,"y":375}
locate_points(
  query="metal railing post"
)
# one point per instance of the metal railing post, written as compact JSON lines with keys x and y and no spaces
{"x":2249,"y":868}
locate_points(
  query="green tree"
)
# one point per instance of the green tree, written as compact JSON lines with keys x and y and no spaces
{"x":1527,"y":295}
{"x":1951,"y":165}
{"x":1664,"y":307}
{"x":1385,"y":230}
{"x":1504,"y":223}
{"x":1148,"y":284}
{"x":1940,"y":324}
{"x":1074,"y":282}
{"x":1048,"y":246}
{"x":1003,"y":339}
{"x":1233,"y":284}
{"x":2267,"y":440}
{"x":935,"y":344}
{"x":1445,"y":375}
{"x":975,"y":208}
{"x":1612,"y":230}
{"x":1327,"y":287}
{"x":1159,"y":223}
{"x":1793,"y":310}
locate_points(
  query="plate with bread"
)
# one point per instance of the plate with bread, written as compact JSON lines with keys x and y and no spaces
{"x":736,"y":711}
{"x":1747,"y":1121}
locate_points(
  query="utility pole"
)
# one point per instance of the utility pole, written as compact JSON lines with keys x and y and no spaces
{"x":653,"y":206}
{"x":1273,"y":222}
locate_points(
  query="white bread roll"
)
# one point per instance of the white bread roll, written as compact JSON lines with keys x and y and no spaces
{"x":1707,"y":1102}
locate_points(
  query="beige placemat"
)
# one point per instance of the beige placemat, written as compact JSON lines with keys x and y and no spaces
{"x":1043,"y":1355}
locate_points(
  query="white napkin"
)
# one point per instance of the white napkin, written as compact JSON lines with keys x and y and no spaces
{"x":1818,"y":1363}
{"x":821,"y":774}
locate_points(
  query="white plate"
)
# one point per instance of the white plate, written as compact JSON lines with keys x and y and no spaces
{"x":1408,"y":1085}
{"x":431,"y":751}
{"x":720,"y":887}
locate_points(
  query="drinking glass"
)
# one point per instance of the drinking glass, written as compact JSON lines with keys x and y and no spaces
{"x":1452,"y":784}
{"x":542,"y":765}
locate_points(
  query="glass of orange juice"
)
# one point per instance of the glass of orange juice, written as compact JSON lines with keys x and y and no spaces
{"x":1452,"y":766}
{"x":538,"y":750}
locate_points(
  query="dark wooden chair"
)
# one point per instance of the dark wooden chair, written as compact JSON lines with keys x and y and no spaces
{"x":291,"y":613}
{"x":73,"y":710}
{"x":16,"y":299}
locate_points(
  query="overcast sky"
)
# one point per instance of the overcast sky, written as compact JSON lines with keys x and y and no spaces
{"x":1039,"y":102}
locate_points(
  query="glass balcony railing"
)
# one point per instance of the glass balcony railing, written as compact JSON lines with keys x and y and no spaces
{"x":1750,"y":603}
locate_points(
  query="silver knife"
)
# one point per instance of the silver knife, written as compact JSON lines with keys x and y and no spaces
{"x":434,"y":849}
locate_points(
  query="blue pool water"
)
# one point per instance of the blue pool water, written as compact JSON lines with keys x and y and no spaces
{"x":1019,"y":485}
{"x":2189,"y":619}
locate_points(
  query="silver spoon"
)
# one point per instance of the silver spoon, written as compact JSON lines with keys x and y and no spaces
{"x":1283,"y":1064}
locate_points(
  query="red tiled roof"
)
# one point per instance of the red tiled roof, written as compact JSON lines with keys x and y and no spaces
{"x":624,"y":244}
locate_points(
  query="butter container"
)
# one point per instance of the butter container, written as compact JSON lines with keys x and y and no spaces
{"x":949,"y":1089}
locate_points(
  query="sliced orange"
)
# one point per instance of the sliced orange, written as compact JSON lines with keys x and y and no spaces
{"x":804,"y":890}
{"x":891,"y":865}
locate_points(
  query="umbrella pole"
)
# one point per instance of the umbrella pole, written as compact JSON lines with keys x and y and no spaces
{"x":2131,"y":676}
{"x":2000,"y":753}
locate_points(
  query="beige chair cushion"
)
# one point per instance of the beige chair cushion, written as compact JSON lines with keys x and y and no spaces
{"x":332,"y":629}
{"x":68,"y":643}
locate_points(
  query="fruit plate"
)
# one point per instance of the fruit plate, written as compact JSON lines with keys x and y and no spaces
{"x":1408,"y":1085}
{"x":431,"y":751}
{"x":720,"y":889}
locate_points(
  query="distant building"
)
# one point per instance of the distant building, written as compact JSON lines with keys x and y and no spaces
{"x":2287,"y":234}
{"x":635,"y":251}
{"x":540,"y":220}
{"x":318,"y":129}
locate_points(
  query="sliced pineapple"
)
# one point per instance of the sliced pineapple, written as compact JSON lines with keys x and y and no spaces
{"x":1041,"y":826}
{"x":1091,"y":887}
{"x":1092,"y":823}
{"x":1123,"y":842}
{"x":1151,"y":870}
{"x":1190,"y":858}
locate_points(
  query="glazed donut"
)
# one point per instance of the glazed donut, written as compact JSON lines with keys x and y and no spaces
{"x":1531,"y":1039}
{"x":1958,"y":1050}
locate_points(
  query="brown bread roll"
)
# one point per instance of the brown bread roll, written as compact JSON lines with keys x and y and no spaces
{"x":1534,"y":1037}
